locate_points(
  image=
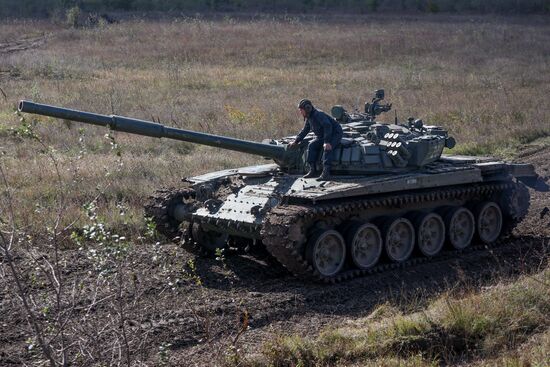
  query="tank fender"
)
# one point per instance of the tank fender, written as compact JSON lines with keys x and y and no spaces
{"x":537,"y":183}
{"x":527,"y":175}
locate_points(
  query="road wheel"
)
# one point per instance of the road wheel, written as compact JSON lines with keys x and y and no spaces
{"x":326,"y":252}
{"x":489,"y":221}
{"x":364,"y":244}
{"x":398,"y":237}
{"x":209,"y":240}
{"x":430,"y":236}
{"x":460,"y":226}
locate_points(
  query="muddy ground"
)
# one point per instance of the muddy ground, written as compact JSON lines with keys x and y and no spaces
{"x":198,"y":323}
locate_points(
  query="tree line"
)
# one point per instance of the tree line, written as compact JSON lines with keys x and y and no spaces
{"x":46,"y":8}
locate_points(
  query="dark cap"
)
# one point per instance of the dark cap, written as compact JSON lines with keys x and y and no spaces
{"x":304,"y":102}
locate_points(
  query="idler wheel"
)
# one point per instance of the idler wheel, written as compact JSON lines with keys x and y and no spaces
{"x":515,"y":201}
{"x":489,"y":221}
{"x":326,"y":252}
{"x":460,"y":225}
{"x":430,"y":236}
{"x":364,"y":244}
{"x":209,"y":240}
{"x":398,"y":239}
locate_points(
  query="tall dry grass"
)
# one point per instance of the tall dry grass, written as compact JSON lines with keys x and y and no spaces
{"x":485,"y":79}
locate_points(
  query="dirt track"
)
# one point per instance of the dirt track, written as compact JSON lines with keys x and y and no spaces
{"x":200,"y":322}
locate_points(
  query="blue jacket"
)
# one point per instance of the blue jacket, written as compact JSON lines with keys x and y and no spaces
{"x":322,"y":125}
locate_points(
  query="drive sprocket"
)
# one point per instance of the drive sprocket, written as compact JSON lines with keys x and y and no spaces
{"x":160,"y":209}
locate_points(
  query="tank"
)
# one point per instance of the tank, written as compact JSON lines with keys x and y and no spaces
{"x":394,"y":199}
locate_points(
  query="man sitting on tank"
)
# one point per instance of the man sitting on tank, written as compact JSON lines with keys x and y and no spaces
{"x":328,"y":134}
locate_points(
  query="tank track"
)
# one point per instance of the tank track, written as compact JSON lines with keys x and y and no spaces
{"x":159,"y":207}
{"x":284,"y":229}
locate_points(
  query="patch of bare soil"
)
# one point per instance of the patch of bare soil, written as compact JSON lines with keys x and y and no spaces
{"x":200,"y":323}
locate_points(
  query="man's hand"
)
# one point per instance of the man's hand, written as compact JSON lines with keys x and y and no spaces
{"x":293,"y":144}
{"x":327,"y":146}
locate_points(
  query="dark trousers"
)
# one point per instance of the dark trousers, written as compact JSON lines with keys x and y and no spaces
{"x":316,"y":146}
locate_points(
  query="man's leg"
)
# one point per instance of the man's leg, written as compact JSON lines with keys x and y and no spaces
{"x":328,"y":156}
{"x":312,"y":153}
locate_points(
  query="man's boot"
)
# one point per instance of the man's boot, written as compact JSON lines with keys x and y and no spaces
{"x":312,"y":172}
{"x":325,"y":176}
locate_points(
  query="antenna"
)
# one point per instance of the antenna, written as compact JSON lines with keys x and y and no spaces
{"x":395,"y":116}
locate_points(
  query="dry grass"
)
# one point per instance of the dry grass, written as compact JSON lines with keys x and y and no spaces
{"x":489,"y":324}
{"x":486,"y":79}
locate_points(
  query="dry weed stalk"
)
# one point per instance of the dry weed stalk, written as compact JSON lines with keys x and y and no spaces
{"x":60,"y":312}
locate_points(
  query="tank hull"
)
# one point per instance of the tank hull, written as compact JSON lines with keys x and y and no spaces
{"x":264,"y":207}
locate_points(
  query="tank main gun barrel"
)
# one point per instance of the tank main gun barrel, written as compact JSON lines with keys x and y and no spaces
{"x":148,"y":128}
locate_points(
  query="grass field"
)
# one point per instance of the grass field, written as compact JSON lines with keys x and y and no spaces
{"x":486,"y":79}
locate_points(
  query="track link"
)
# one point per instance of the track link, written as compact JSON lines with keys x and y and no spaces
{"x":284,"y":229}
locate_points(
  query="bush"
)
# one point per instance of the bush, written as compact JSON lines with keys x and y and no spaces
{"x":72,"y":16}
